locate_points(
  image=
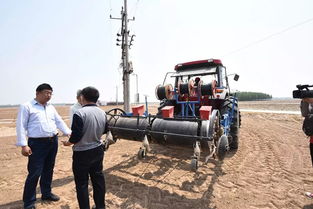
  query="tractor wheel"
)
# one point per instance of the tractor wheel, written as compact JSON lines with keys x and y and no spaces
{"x":114,"y":114}
{"x":234,"y":130}
{"x":222,"y":147}
{"x":236,"y":122}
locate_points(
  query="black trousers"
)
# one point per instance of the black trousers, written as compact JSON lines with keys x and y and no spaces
{"x":89,"y":163}
{"x":40,"y":165}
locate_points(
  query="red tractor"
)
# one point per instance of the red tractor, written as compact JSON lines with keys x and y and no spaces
{"x":197,"y":109}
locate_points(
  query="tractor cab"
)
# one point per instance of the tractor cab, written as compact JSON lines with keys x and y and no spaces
{"x":194,"y":84}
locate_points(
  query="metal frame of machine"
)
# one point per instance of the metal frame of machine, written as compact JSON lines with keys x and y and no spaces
{"x":205,"y":114}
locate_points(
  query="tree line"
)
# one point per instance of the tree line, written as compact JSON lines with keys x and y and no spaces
{"x":250,"y":96}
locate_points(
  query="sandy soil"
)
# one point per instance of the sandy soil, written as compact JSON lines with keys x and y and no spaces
{"x":271,"y":169}
{"x":281,"y":105}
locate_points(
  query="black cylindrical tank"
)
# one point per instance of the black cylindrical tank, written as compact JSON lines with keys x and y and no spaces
{"x":162,"y":131}
{"x":129,"y":128}
{"x":174,"y":132}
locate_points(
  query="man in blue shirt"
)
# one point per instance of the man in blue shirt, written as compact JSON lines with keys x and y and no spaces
{"x":89,"y":124}
{"x":38,"y":121}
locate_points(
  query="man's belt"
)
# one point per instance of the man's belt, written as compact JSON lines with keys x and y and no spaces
{"x":43,"y":138}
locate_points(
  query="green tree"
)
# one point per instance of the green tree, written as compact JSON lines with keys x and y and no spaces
{"x":251,"y":96}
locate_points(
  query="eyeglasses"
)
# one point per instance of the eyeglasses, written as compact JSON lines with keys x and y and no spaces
{"x":47,"y":92}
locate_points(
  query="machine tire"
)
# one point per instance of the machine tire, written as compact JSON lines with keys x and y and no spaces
{"x":236,"y":122}
{"x":194,"y":164}
{"x":141,"y":154}
{"x":222,"y":147}
{"x":234,"y":131}
{"x":114,"y":114}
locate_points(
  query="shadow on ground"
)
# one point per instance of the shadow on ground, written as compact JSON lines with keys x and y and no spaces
{"x":156,"y":196}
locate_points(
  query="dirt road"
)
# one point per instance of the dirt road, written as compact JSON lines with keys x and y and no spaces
{"x":271,"y":169}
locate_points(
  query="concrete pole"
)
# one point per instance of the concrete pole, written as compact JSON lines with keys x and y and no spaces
{"x":126,"y":65}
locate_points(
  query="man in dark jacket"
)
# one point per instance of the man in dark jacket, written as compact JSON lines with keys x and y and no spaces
{"x":89,"y":124}
{"x":306,"y":107}
{"x":307,"y":112}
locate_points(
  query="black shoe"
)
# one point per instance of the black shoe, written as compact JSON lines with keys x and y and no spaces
{"x":31,"y":207}
{"x":52,"y":197}
{"x":94,"y":207}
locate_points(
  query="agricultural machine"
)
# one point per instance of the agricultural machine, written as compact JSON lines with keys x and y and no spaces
{"x":197,"y":111}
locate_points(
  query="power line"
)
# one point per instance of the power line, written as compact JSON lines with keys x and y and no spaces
{"x":269,"y":36}
{"x":133,"y":14}
{"x":134,"y":9}
{"x":110,"y":3}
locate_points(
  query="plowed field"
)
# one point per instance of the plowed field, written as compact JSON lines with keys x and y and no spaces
{"x":271,"y":169}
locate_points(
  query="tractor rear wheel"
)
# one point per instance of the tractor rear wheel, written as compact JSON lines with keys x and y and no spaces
{"x":234,"y":130}
{"x":222,"y":147}
{"x":236,"y":121}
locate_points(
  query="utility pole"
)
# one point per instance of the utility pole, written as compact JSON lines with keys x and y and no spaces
{"x":125,"y":47}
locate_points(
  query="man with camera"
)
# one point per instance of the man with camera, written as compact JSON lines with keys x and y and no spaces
{"x":307,"y":112}
{"x":307,"y":127}
{"x":306,"y":94}
{"x":308,"y":100}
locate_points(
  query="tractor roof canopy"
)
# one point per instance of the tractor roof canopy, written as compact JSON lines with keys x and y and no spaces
{"x":196,"y":71}
{"x":198,"y":64}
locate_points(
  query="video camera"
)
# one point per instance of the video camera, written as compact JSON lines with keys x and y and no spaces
{"x":303,"y":92}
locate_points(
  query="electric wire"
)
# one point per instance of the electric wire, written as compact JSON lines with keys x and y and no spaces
{"x":118,"y":68}
{"x":133,"y":11}
{"x":269,"y":37}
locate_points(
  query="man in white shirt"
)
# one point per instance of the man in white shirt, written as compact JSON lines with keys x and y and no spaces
{"x":38,"y":121}
{"x":75,"y":106}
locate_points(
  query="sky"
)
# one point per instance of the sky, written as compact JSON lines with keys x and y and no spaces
{"x":71,"y":44}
